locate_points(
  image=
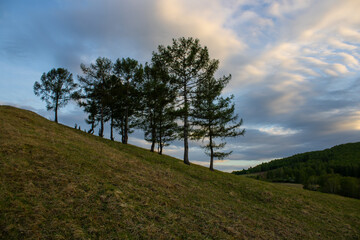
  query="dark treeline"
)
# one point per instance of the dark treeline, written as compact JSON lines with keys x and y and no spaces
{"x":175,"y":96}
{"x":335,"y":170}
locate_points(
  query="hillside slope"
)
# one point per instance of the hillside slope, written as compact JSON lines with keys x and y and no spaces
{"x":60,"y":183}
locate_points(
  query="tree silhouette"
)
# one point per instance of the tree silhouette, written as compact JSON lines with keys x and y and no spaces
{"x":157,"y":118}
{"x":93,"y":94}
{"x":129,"y":72}
{"x":214,"y":117}
{"x":187,"y":63}
{"x":55,"y":88}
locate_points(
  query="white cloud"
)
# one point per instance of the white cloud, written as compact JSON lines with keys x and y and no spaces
{"x":313,"y":60}
{"x":349,"y":123}
{"x":349,"y":60}
{"x":336,"y":43}
{"x":278,"y":131}
{"x":232,"y":165}
{"x":286,"y":103}
{"x":349,"y":34}
{"x":307,"y":50}
{"x":331,"y":72}
{"x":283,"y":7}
{"x":340,"y":68}
{"x":191,"y":18}
{"x":251,"y":17}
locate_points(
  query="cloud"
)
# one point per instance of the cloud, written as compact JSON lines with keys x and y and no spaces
{"x":285,"y":7}
{"x":349,"y":121}
{"x":278,"y":131}
{"x":350,"y":60}
{"x":191,"y":18}
{"x":336,"y":43}
{"x":350,"y":34}
{"x":232,"y":165}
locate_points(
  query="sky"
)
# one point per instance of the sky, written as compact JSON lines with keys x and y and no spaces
{"x":294,"y":63}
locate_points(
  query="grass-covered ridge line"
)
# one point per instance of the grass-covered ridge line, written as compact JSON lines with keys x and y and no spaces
{"x":61,"y":183}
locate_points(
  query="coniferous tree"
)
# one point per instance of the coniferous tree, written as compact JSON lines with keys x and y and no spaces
{"x":55,"y":88}
{"x":214,"y":117}
{"x":114,"y":96}
{"x":94,"y":93}
{"x":150,"y":94}
{"x":158,"y":118}
{"x":187,"y":63}
{"x":91,"y":119}
{"x":129,"y":72}
{"x":167,"y":127}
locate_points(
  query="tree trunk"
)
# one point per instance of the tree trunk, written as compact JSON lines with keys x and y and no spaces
{"x":211,"y":155}
{"x":126,"y":126}
{"x":153,"y":137}
{"x":161,"y":148}
{"x":160,"y":138}
{"x":56,"y":118}
{"x":186,"y":143}
{"x":160,"y":141}
{"x":152,"y":146}
{"x":111,"y":128}
{"x":186,"y":128}
{"x":56,"y":109}
{"x":91,"y":131}
{"x":101,"y":131}
{"x":122,"y":131}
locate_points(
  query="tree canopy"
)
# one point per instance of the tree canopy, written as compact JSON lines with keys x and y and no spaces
{"x":187,"y":63}
{"x":93,"y":93}
{"x":130,"y":73}
{"x":55,"y":88}
{"x":158,"y":115}
{"x":214,"y":117}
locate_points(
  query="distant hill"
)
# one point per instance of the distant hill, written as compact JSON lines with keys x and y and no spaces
{"x":60,"y":183}
{"x":334,"y":170}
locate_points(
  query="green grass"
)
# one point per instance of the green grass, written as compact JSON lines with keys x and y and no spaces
{"x":60,"y":183}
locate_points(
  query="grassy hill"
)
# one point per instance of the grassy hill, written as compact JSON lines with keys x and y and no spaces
{"x":334,"y":170}
{"x":60,"y":183}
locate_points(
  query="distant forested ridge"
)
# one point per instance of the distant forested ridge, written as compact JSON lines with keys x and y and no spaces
{"x":335,"y":170}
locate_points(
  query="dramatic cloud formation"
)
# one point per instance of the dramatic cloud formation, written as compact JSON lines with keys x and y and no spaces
{"x":295,"y":64}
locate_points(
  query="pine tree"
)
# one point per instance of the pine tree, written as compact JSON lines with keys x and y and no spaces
{"x":114,"y":96}
{"x":187,"y":63}
{"x":158,"y":118}
{"x":150,"y":92}
{"x":129,"y":72}
{"x":167,"y":127}
{"x":91,"y":119}
{"x":94,"y":90}
{"x":55,"y":88}
{"x":214,"y":117}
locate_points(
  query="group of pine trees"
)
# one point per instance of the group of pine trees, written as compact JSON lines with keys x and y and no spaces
{"x":176,"y":96}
